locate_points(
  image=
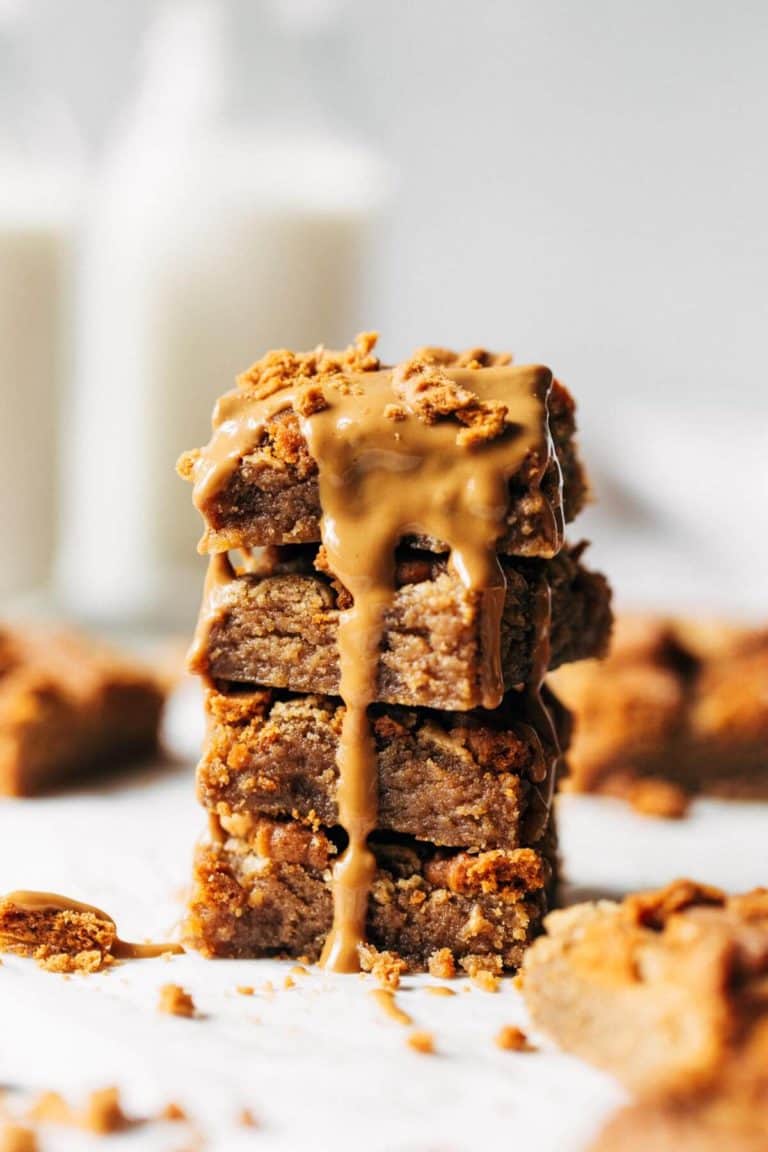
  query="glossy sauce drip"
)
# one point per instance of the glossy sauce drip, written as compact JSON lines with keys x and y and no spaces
{"x":381,"y":479}
{"x":540,"y":718}
{"x":53,"y":902}
{"x":218,"y":577}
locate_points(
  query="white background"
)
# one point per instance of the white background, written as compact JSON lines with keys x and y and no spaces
{"x":583,"y":183}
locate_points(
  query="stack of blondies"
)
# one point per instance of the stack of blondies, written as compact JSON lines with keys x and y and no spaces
{"x":464,"y":840}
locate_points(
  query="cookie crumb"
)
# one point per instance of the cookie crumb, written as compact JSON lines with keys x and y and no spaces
{"x":439,"y":990}
{"x":17,"y":1138}
{"x":386,"y":967}
{"x":395,"y":412}
{"x":104,"y":1113}
{"x":483,"y":971}
{"x":299,"y":970}
{"x":442,"y":965}
{"x":654,"y":797}
{"x":289,"y":982}
{"x":246,"y":1119}
{"x":310,"y":399}
{"x":385,"y":998}
{"x":423,"y":1042}
{"x":486,"y":981}
{"x":173,"y":1113}
{"x":424,"y":386}
{"x":512,"y":1039}
{"x":244,"y":990}
{"x":281,"y":368}
{"x":176,"y":1001}
{"x":51,"y":1108}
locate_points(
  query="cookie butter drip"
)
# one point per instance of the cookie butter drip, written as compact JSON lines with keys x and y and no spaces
{"x":427,"y":449}
{"x":541,"y":719}
{"x":382,"y":476}
{"x":36,"y":902}
{"x":218,"y":577}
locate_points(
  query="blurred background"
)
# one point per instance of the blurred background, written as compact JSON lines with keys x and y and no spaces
{"x":185,"y":183}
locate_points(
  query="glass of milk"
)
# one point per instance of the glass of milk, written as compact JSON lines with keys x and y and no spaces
{"x":206,"y":244}
{"x":39,"y":168}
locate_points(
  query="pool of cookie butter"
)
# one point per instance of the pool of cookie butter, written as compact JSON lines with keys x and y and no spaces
{"x":423,"y":448}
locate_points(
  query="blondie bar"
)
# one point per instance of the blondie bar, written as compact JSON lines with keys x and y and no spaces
{"x":662,"y":989}
{"x":449,"y":778}
{"x":678,"y":701}
{"x":729,"y":1115}
{"x":281,"y":629}
{"x":265,"y":890}
{"x":68,"y":705}
{"x":256,"y":483}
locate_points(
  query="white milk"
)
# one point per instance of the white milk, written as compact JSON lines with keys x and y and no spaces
{"x":204,"y":249}
{"x":35,"y":242}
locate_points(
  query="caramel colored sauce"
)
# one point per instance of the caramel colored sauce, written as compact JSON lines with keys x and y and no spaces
{"x":381,"y":479}
{"x":53,"y":902}
{"x":389,"y":1006}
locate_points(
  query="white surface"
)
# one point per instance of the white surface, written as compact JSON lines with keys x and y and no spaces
{"x":319,"y":1064}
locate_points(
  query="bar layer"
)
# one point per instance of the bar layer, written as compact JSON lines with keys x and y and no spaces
{"x":449,"y":778}
{"x":662,"y":989}
{"x":270,"y":894}
{"x":677,"y":701}
{"x":67,"y":706}
{"x":272,"y":494}
{"x":281,"y":630}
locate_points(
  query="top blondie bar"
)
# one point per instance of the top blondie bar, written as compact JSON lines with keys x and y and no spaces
{"x":256,"y":482}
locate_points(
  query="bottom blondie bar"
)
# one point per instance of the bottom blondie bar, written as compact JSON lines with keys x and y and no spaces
{"x":265,"y":889}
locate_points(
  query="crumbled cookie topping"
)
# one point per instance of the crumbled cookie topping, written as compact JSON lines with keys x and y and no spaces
{"x":425,"y":388}
{"x":386,"y":967}
{"x":651,"y":796}
{"x":175,"y":1001}
{"x":512,"y":1039}
{"x":18,"y":1138}
{"x":442,"y":964}
{"x":102,"y":1114}
{"x":282,"y":368}
{"x":423,"y":1042}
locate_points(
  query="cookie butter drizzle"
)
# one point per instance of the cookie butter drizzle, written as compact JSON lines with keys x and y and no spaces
{"x":53,"y":902}
{"x":381,"y":479}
